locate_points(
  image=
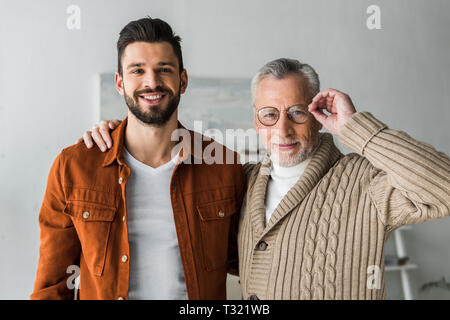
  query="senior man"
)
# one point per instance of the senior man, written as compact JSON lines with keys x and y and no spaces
{"x":314,"y":222}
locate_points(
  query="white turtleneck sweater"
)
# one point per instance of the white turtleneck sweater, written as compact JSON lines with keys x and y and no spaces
{"x":282,"y":179}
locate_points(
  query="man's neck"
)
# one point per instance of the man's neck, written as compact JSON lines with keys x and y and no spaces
{"x":150,"y":144}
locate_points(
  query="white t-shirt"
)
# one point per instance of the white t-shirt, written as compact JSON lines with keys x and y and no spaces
{"x":281,"y":180}
{"x":156,"y":271}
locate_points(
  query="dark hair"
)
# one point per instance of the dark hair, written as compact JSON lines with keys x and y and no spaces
{"x":148,"y":30}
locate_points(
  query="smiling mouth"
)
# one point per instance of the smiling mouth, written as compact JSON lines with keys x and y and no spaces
{"x":151,"y":99}
{"x":286,"y":147}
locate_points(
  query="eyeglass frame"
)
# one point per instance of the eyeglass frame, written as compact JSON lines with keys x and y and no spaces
{"x":279,"y":113}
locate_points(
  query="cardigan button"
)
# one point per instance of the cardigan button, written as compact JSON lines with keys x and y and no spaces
{"x":262,"y":245}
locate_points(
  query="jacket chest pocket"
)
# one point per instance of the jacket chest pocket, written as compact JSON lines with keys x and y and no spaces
{"x":93,"y":224}
{"x":214,"y":227}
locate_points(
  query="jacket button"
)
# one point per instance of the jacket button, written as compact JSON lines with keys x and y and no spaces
{"x":124,"y":258}
{"x":262,"y":245}
{"x":221,"y":214}
{"x":120,"y":180}
{"x":254,"y":297}
{"x":85,"y":214}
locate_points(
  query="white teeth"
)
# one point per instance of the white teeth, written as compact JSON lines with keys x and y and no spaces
{"x":151,"y":98}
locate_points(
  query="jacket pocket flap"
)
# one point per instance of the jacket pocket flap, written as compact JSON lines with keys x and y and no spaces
{"x":217,"y":210}
{"x":90,"y":211}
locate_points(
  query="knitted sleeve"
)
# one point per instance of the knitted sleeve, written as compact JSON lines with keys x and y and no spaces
{"x":410,"y":181}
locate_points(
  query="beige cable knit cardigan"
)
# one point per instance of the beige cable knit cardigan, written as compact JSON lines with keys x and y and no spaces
{"x":325,"y":240}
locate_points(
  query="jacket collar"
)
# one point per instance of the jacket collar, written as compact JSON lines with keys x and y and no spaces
{"x":190,"y":144}
{"x":323,"y":159}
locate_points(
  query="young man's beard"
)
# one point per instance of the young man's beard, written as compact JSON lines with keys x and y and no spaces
{"x":157,"y":116}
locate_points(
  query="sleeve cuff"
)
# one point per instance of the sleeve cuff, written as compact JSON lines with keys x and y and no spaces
{"x":359,"y":130}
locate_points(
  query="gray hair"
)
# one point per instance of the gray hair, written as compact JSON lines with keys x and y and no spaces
{"x":281,"y":68}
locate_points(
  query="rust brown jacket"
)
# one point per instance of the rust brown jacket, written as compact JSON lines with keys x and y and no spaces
{"x":83,"y":221}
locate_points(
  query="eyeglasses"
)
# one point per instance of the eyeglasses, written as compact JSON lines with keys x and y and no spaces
{"x":268,"y":116}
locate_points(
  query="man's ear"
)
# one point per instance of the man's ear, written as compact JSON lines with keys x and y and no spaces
{"x":118,"y":80}
{"x":184,"y":81}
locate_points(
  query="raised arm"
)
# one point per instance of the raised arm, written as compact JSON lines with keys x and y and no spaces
{"x":411,"y":180}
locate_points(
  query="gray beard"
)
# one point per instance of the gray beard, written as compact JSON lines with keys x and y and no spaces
{"x":296,"y":159}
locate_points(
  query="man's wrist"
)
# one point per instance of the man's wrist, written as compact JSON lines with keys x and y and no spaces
{"x":359,"y":130}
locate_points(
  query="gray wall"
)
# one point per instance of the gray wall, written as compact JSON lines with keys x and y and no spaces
{"x":49,"y":93}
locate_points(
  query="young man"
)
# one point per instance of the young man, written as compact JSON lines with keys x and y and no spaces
{"x":142,"y":221}
{"x":314,"y":222}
